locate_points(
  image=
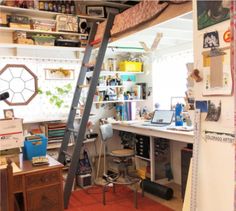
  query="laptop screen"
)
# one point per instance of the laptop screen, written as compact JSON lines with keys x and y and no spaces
{"x":162,"y":117}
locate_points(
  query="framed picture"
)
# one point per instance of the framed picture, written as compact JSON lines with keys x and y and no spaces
{"x":8,"y":113}
{"x":212,"y":12}
{"x":59,"y":74}
{"x":96,"y":11}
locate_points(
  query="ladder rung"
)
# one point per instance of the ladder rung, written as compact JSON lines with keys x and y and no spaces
{"x":88,"y":65}
{"x":84,"y":86}
{"x":72,"y":130}
{"x":67,"y":153}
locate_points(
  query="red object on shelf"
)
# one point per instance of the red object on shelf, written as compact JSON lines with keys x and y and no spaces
{"x":95,"y":42}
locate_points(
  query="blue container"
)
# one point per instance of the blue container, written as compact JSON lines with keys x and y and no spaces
{"x":35,"y":148}
{"x":179,"y":115}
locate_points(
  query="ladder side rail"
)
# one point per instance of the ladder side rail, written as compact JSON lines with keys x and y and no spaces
{"x":77,"y":93}
{"x":88,"y":105}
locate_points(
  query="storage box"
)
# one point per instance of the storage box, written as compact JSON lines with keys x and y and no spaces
{"x":84,"y":180}
{"x":67,"y":23}
{"x":19,"y":25}
{"x":44,"y":40}
{"x":35,"y":147}
{"x":3,"y":19}
{"x":11,"y":133}
{"x":43,"y":24}
{"x":67,"y":43}
{"x":128,"y":66}
{"x":19,"y":19}
{"x":142,"y":172}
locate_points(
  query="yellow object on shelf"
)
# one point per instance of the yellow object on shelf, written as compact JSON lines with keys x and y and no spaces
{"x":141,"y":172}
{"x":128,"y":66}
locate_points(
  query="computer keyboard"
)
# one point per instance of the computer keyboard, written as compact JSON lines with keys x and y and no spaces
{"x":154,"y":125}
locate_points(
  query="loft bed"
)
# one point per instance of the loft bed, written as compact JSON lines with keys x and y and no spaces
{"x":143,"y":15}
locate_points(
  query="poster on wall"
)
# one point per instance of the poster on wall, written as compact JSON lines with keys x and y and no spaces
{"x":217,"y":76}
{"x":212,"y":12}
{"x":59,"y":74}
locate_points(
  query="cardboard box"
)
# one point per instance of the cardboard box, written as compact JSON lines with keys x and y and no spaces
{"x":3,"y":19}
{"x":84,"y":180}
{"x":11,"y":133}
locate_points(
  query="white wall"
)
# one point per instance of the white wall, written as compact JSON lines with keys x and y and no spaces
{"x":215,"y":190}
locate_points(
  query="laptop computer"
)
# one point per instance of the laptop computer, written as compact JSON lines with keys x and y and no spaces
{"x":161,"y":118}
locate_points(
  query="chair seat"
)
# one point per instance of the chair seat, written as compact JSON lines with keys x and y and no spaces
{"x":122,"y":153}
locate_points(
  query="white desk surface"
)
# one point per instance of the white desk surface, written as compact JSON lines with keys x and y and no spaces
{"x":168,"y":132}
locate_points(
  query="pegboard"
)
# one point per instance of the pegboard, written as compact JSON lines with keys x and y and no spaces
{"x":40,"y":109}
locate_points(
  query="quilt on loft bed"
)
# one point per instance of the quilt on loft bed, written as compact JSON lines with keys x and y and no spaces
{"x":136,"y":15}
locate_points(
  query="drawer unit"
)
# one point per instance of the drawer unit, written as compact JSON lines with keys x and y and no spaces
{"x":45,"y":199}
{"x":143,"y":146}
{"x":18,"y":184}
{"x":42,"y":179}
{"x":162,"y":159}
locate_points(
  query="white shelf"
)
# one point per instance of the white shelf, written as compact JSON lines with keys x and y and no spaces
{"x":143,"y":158}
{"x":104,"y":72}
{"x":117,"y":101}
{"x":56,"y":145}
{"x":40,"y":13}
{"x":62,"y":119}
{"x":104,"y":87}
{"x":11,"y":29}
{"x":40,"y":47}
{"x":105,"y":3}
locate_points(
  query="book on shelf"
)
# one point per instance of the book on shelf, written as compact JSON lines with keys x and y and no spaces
{"x":55,"y":130}
{"x":127,"y":111}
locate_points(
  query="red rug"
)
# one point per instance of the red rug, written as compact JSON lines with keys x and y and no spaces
{"x":122,"y":200}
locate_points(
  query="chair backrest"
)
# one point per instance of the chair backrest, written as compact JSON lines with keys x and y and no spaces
{"x":106,"y":132}
{"x":6,"y":188}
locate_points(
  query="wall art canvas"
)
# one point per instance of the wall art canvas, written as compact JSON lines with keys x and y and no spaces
{"x":212,"y":12}
{"x":59,"y":74}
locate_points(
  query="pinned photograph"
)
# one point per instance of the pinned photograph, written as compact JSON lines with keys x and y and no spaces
{"x":8,"y":113}
{"x":96,"y":11}
{"x":211,"y":40}
{"x":214,"y":112}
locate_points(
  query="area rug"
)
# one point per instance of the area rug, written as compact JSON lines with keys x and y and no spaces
{"x":122,"y":200}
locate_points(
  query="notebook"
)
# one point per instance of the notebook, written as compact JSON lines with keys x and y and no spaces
{"x":161,"y":118}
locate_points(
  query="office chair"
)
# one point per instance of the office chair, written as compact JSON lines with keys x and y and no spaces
{"x":6,"y":188}
{"x":122,"y":157}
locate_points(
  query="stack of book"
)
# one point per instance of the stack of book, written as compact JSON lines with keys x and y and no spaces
{"x":55,"y":131}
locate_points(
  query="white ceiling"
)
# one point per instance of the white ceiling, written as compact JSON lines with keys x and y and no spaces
{"x":176,"y":32}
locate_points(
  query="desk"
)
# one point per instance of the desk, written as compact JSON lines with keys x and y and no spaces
{"x":41,"y":186}
{"x":160,"y":132}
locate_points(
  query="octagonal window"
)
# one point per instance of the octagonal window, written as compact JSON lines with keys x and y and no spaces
{"x":20,"y":82}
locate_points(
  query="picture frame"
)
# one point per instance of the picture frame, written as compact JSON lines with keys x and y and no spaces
{"x":210,"y":13}
{"x":59,"y":74}
{"x":8,"y":114}
{"x":95,"y":11}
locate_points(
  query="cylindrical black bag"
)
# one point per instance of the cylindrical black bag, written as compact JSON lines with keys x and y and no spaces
{"x":157,"y":189}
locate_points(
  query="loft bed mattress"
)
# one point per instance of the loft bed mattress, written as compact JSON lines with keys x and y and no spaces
{"x":145,"y":11}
